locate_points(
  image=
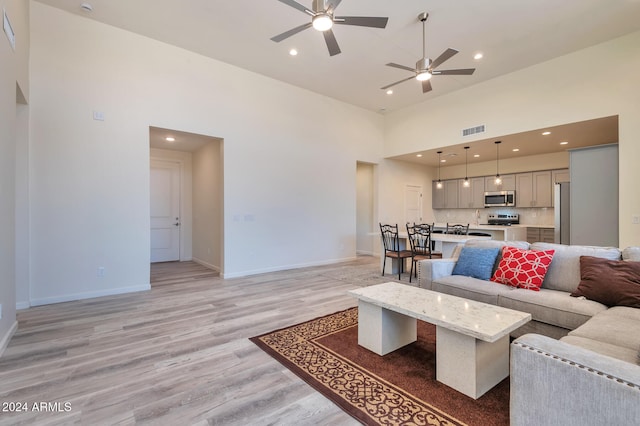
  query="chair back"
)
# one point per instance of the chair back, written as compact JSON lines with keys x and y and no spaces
{"x":390,"y":237}
{"x":457,"y":229}
{"x":420,"y":239}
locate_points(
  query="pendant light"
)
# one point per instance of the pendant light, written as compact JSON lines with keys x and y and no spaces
{"x":439,"y":183}
{"x":466,"y":167}
{"x":498,"y":180}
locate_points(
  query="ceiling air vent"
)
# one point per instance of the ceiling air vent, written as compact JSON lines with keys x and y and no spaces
{"x":473,"y":130}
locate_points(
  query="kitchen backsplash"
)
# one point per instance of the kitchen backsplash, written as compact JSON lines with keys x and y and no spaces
{"x":528,"y":216}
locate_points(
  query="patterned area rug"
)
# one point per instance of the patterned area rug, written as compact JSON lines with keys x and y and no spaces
{"x":397,"y":389}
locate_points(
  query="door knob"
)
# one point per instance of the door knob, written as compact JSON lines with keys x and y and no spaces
{"x":177,"y":224}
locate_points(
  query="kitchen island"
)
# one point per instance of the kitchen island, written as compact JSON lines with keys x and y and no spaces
{"x":497,"y":232}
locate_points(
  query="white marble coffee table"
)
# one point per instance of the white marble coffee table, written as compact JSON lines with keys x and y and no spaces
{"x":472,"y":338}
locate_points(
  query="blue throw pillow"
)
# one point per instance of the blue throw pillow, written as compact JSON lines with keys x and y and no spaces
{"x":476,"y":262}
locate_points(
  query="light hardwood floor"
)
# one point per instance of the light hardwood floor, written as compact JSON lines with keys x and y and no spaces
{"x":178,"y":354}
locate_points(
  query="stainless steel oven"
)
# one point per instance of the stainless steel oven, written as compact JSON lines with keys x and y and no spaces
{"x":500,"y":199}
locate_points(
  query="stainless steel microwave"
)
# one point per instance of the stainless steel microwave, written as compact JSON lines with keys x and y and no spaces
{"x":500,"y":199}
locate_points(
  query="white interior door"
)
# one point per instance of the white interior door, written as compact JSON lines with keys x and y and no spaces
{"x":165,"y":211}
{"x":413,"y":203}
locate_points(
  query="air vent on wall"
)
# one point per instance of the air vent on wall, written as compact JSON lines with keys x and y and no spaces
{"x":473,"y":130}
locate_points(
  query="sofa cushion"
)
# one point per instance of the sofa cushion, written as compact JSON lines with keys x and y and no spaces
{"x":469,"y":288}
{"x":553,"y":307}
{"x":522,"y":268}
{"x":564,"y":271}
{"x":618,"y":326}
{"x":631,"y":254}
{"x":476,"y":262}
{"x":610,"y":282}
{"x":618,"y":352}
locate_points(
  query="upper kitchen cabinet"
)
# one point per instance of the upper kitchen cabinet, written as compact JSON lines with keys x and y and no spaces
{"x":472,"y":196}
{"x":447,"y":196}
{"x":437,"y":195}
{"x":508,"y":183}
{"x":560,"y":175}
{"x":534,"y":189}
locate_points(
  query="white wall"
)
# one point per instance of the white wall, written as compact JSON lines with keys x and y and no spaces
{"x":208,"y":205}
{"x":290,"y":181}
{"x":14,"y":72}
{"x":394,"y":176}
{"x":563,"y":90}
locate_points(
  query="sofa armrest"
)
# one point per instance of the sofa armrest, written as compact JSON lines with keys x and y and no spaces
{"x":554,"y":382}
{"x":432,"y":269}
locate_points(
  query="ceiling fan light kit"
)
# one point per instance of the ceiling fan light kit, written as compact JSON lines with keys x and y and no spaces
{"x":323,"y":19}
{"x":425,"y":67}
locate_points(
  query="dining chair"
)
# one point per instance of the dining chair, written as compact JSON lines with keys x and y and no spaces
{"x":420,"y":243}
{"x":457,"y":229}
{"x":391,"y":244}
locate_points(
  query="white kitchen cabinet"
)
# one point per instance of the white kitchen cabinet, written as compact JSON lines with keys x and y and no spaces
{"x":472,"y":196}
{"x":437,"y":196}
{"x":534,"y":189}
{"x":508,"y":183}
{"x":560,"y":175}
{"x":451,"y":188}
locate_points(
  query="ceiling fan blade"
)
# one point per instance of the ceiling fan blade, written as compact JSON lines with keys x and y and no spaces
{"x":291,"y":32}
{"x":362,"y":21}
{"x":397,"y":82}
{"x":447,"y":54}
{"x":466,"y":71}
{"x":332,"y":43}
{"x":298,"y":6}
{"x":402,"y":67}
{"x":426,"y":86}
{"x":331,"y":6}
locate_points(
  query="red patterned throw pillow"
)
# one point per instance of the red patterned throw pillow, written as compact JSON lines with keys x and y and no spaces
{"x":523,"y":268}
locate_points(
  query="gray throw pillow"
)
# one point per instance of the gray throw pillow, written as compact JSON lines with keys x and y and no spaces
{"x":476,"y":262}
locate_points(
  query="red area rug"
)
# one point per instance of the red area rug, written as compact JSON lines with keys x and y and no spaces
{"x":396,"y":389}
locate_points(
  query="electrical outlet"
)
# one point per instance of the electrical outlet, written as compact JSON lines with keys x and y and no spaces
{"x":635,"y":219}
{"x":100,"y":271}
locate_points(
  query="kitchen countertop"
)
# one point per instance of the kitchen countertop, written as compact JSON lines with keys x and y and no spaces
{"x":481,"y":227}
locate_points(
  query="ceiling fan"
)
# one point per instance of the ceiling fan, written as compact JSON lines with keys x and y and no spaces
{"x":322,"y":19}
{"x":425,"y":68}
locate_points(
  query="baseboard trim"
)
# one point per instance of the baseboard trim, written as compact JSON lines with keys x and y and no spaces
{"x":206,"y":264}
{"x":7,"y":337}
{"x":89,"y":295}
{"x":286,"y":267}
{"x":22,"y":305}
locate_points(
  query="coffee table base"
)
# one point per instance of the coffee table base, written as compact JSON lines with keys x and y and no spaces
{"x":382,"y":331}
{"x":464,"y":363}
{"x":470,"y":365}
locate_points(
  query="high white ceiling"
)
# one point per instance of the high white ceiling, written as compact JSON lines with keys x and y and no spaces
{"x":511,"y":35}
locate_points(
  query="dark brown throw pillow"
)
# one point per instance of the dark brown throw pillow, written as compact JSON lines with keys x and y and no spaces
{"x":610,"y":282}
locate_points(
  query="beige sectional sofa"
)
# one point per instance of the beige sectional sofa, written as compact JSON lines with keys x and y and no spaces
{"x":578,"y":361}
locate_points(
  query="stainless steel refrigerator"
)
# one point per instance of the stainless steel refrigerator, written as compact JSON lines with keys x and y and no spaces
{"x":562,"y":209}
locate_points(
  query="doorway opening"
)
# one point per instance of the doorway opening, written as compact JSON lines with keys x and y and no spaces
{"x":187,"y":169}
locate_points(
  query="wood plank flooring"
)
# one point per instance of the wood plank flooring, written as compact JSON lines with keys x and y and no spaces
{"x":178,"y":354}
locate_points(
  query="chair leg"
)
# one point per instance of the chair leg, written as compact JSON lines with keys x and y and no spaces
{"x":413,"y":262}
{"x":384,"y":264}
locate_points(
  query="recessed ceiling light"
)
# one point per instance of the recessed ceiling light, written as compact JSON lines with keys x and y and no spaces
{"x":546,"y":133}
{"x":564,"y":143}
{"x":478,"y":56}
{"x":516,"y":149}
{"x":170,"y":139}
{"x":293,"y":52}
{"x":443,"y":161}
{"x":476,"y":155}
{"x":389,"y":92}
{"x":419,"y":155}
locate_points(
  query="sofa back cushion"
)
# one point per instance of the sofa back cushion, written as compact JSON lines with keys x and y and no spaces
{"x":564,"y":271}
{"x":631,"y":254}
